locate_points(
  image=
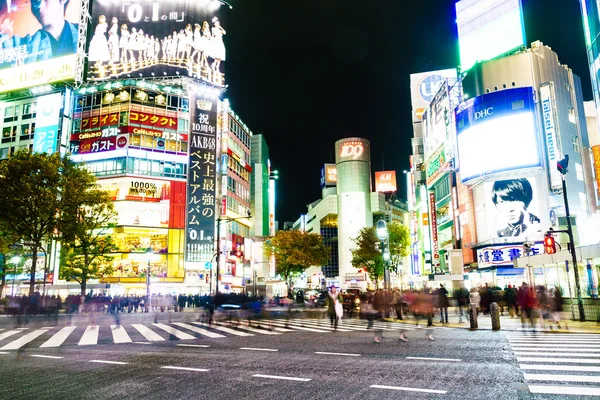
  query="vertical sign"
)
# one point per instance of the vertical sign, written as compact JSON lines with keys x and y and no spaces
{"x":596,"y":154}
{"x":200,"y":209}
{"x":46,"y":123}
{"x":550,"y":136}
{"x":434,"y":230}
{"x":271,"y":207}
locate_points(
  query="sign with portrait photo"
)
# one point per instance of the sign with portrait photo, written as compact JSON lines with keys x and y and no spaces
{"x":38,"y":42}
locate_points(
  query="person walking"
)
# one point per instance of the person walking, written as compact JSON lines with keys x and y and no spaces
{"x":510,"y":297}
{"x":443,"y":303}
{"x":334,"y":302}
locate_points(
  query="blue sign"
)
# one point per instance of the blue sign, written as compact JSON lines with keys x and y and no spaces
{"x":46,"y":123}
{"x":208,"y":266}
{"x":429,"y":86}
{"x":553,"y":217}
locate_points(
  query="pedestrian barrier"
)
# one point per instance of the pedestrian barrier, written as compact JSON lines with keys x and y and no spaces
{"x":473,"y":317}
{"x":495,"y":315}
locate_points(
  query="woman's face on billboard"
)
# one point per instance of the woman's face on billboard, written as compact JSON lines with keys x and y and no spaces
{"x":510,"y":210}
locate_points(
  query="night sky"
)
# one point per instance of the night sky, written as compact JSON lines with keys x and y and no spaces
{"x":306,"y":73}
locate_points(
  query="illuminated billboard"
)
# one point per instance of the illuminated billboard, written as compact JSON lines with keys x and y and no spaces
{"x":496,"y":132}
{"x":424,"y":86}
{"x":488,"y":29}
{"x":385,"y":181}
{"x":30,"y":54}
{"x":328,"y":175}
{"x":510,"y":208}
{"x":158,"y":38}
{"x":438,"y":124}
{"x":201,"y":182}
{"x":46,"y":123}
{"x":590,"y":10}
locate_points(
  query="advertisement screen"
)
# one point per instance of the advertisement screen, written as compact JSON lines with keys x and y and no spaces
{"x":385,"y":181}
{"x":30,"y":54}
{"x":46,"y":123}
{"x":496,"y":133}
{"x":158,"y":38}
{"x":201,"y":182}
{"x":328,"y":175}
{"x":437,"y":120}
{"x":488,"y":29}
{"x":590,"y":10}
{"x":510,"y":208}
{"x":424,"y":86}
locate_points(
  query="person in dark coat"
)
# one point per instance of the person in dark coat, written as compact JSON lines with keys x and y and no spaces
{"x":443,"y":302}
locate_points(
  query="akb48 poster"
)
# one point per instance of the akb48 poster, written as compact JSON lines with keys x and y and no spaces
{"x":164,"y":38}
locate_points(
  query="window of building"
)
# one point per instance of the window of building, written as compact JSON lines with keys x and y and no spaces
{"x":575,"y":141}
{"x":572,"y":118}
{"x":579,"y":171}
{"x":3,"y":153}
{"x":9,"y":112}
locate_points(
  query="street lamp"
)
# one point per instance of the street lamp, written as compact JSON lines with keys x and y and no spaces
{"x":382,"y":235}
{"x":150,"y":256}
{"x":15,"y":261}
{"x":562,"y":166}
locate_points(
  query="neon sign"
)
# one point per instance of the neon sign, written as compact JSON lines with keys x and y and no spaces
{"x":352,"y":149}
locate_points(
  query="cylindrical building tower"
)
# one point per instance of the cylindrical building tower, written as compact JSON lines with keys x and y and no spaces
{"x":353,"y":164}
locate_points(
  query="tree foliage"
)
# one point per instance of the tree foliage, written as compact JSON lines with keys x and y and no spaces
{"x":85,"y":220}
{"x":367,"y":254}
{"x":39,"y":193}
{"x":295,"y":251}
{"x":399,"y":242}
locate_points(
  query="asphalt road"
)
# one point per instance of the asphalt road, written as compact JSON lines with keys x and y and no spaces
{"x":304,"y":360}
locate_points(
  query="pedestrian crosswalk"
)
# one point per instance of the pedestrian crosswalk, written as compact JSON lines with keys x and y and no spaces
{"x":89,"y":335}
{"x":561,"y":364}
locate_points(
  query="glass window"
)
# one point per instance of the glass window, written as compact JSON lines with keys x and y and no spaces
{"x":9,"y":111}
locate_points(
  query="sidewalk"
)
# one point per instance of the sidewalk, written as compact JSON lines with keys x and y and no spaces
{"x":514,"y":324}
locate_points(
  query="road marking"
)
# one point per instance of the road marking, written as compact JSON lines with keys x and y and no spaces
{"x":119,"y":334}
{"x":337,"y":354}
{"x":4,"y":352}
{"x":186,"y":368}
{"x":47,"y":327}
{"x":222,"y":329}
{"x":434,"y":359}
{"x":59,"y":337}
{"x":257,"y":349}
{"x":557,"y":340}
{"x":193,"y":345}
{"x":555,"y":354}
{"x":561,"y":389}
{"x":542,"y":367}
{"x":289,"y":378}
{"x":147,"y":333}
{"x":555,"y":349}
{"x":565,"y":378}
{"x":44,"y":356}
{"x":109,"y":362}
{"x":593,"y":346}
{"x":199,"y":330}
{"x":23,"y":340}
{"x":8,"y":334}
{"x":90,"y":336}
{"x":301,"y":328}
{"x":319,"y":326}
{"x":558,"y":360}
{"x":141,"y":343}
{"x":256,"y":330}
{"x":407,"y":389}
{"x":175,"y":332}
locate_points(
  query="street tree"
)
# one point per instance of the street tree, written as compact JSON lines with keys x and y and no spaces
{"x":295,"y":251}
{"x":84,"y":223}
{"x":34,"y":189}
{"x":399,"y":241}
{"x":367,"y":254}
{"x":5,"y":259}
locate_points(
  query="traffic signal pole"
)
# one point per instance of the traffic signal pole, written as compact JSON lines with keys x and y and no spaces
{"x":572,"y":249}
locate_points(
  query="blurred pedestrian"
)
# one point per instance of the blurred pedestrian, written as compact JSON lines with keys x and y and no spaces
{"x":379,"y":304}
{"x":510,"y":296}
{"x":334,"y":303}
{"x":443,"y":302}
{"x":423,"y":308}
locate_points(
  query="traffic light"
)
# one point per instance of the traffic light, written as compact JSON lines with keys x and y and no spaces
{"x":549,"y":244}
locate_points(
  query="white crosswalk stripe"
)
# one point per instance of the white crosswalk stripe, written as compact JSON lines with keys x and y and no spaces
{"x":120,"y":334}
{"x":199,"y":330}
{"x":219,"y":328}
{"x":9,"y":333}
{"x":148,"y":333}
{"x":90,"y":336}
{"x":555,"y":364}
{"x":250,"y":329}
{"x":175,"y":332}
{"x":23,"y":340}
{"x":59,"y":337}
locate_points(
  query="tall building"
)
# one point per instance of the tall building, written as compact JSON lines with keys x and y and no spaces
{"x":259,"y":186}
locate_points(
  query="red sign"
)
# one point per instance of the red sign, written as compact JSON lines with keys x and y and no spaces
{"x":385,"y":181}
{"x":99,"y":121}
{"x":155,"y":133}
{"x":95,"y":145}
{"x":157,"y":121}
{"x":433,"y":220}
